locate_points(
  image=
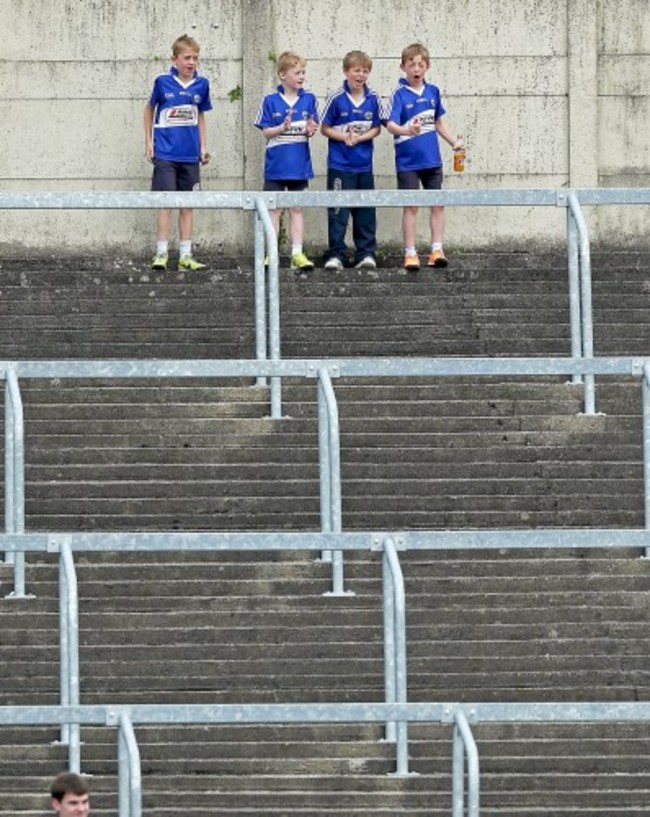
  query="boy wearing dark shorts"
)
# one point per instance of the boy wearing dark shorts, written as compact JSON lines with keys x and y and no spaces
{"x":415,"y":120}
{"x":288,"y":119}
{"x":175,"y":141}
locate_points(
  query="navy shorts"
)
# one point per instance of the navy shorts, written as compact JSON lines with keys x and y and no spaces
{"x":431,"y":178}
{"x":280,"y":185}
{"x":172,"y":176}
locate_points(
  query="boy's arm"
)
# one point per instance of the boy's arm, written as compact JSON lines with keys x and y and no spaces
{"x":277,"y":130}
{"x":204,"y":156}
{"x":443,"y":130}
{"x":148,"y":132}
{"x":402,"y":130}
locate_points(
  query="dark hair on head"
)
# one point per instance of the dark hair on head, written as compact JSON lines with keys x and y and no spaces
{"x":68,"y":783}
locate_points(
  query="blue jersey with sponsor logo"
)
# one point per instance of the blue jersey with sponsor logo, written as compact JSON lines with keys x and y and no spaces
{"x":406,"y":105}
{"x":344,"y":113}
{"x":176,"y":118}
{"x":287,"y":155}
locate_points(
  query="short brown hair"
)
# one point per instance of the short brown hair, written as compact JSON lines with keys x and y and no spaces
{"x":416,"y":50}
{"x":184,"y":42}
{"x":68,"y":783}
{"x":289,"y":59}
{"x":357,"y":58}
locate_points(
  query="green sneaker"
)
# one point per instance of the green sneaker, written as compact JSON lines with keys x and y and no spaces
{"x":299,"y":261}
{"x":187,"y":262}
{"x":159,"y":262}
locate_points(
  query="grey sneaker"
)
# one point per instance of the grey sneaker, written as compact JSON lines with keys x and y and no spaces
{"x":366,"y":263}
{"x":333,"y":263}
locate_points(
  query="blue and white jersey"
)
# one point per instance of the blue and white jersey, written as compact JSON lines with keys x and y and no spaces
{"x":287,"y":155}
{"x":176,"y":118}
{"x":406,"y":105}
{"x":345,"y":114}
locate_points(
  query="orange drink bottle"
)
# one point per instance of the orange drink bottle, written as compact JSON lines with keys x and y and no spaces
{"x":459,"y":157}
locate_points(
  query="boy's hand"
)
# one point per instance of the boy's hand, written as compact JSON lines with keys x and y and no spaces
{"x":415,"y":127}
{"x":312,"y":127}
{"x":351,"y":137}
{"x":284,"y":127}
{"x":205,"y":157}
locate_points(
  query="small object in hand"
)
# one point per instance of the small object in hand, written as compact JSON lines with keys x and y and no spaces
{"x":459,"y":156}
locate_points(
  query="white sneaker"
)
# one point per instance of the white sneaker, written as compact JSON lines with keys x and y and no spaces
{"x":366,"y":263}
{"x":333,"y":263}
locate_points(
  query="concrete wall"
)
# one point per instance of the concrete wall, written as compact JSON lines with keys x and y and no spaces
{"x":549,"y":93}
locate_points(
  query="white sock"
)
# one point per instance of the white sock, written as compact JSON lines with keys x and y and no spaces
{"x":436,"y":246}
{"x":409,"y":251}
{"x":185,"y":248}
{"x":296,"y":248}
{"x":162,"y":247}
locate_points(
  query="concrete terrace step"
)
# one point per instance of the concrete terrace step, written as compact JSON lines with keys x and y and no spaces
{"x":444,"y":452}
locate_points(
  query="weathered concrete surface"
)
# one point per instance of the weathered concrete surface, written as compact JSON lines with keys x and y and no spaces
{"x":549,"y":93}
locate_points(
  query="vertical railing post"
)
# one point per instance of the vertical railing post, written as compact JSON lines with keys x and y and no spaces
{"x":586,"y":306}
{"x":464,"y":746}
{"x":575,"y":321}
{"x":330,"y":447}
{"x":274,"y":302}
{"x":645,"y":393}
{"x":388,"y":608}
{"x":260,"y":295}
{"x":399,"y":630}
{"x":325,"y":482}
{"x":69,"y":648}
{"x":15,"y":475}
{"x":129,"y":769}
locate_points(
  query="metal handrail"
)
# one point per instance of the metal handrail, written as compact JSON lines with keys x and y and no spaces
{"x":329,"y":436}
{"x":395,"y":669}
{"x":259,"y":201}
{"x":15,"y":474}
{"x":329,"y":457}
{"x":69,"y":693}
{"x":458,"y":714}
{"x":129,"y":769}
{"x":464,"y":745}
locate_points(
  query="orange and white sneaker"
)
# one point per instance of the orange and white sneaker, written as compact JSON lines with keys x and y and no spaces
{"x":437,"y":259}
{"x":411,"y":263}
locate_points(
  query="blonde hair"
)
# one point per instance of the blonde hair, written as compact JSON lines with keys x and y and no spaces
{"x":289,"y":59}
{"x":357,"y":58}
{"x":183,"y":43}
{"x":416,"y":50}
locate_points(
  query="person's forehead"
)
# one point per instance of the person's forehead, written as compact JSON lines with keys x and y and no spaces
{"x":71,"y":797}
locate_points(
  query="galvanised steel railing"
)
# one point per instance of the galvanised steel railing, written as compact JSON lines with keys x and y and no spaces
{"x":267,"y":342}
{"x":393,"y":591}
{"x":328,"y":421}
{"x":460,"y":716}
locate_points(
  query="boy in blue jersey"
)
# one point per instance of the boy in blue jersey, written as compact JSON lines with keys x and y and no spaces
{"x":351,"y":121}
{"x":288,"y":119}
{"x":415,"y":120}
{"x":175,"y":141}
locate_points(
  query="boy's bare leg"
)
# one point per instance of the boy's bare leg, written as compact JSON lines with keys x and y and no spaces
{"x":163,"y":224}
{"x":409,"y":221}
{"x":437,"y":221}
{"x":296,"y":226}
{"x":185,"y":223}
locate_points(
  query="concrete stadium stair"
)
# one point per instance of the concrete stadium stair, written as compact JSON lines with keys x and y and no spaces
{"x":497,"y":626}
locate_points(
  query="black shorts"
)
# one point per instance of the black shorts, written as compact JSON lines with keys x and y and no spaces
{"x":175,"y":176}
{"x":280,"y":185}
{"x":430,"y":177}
